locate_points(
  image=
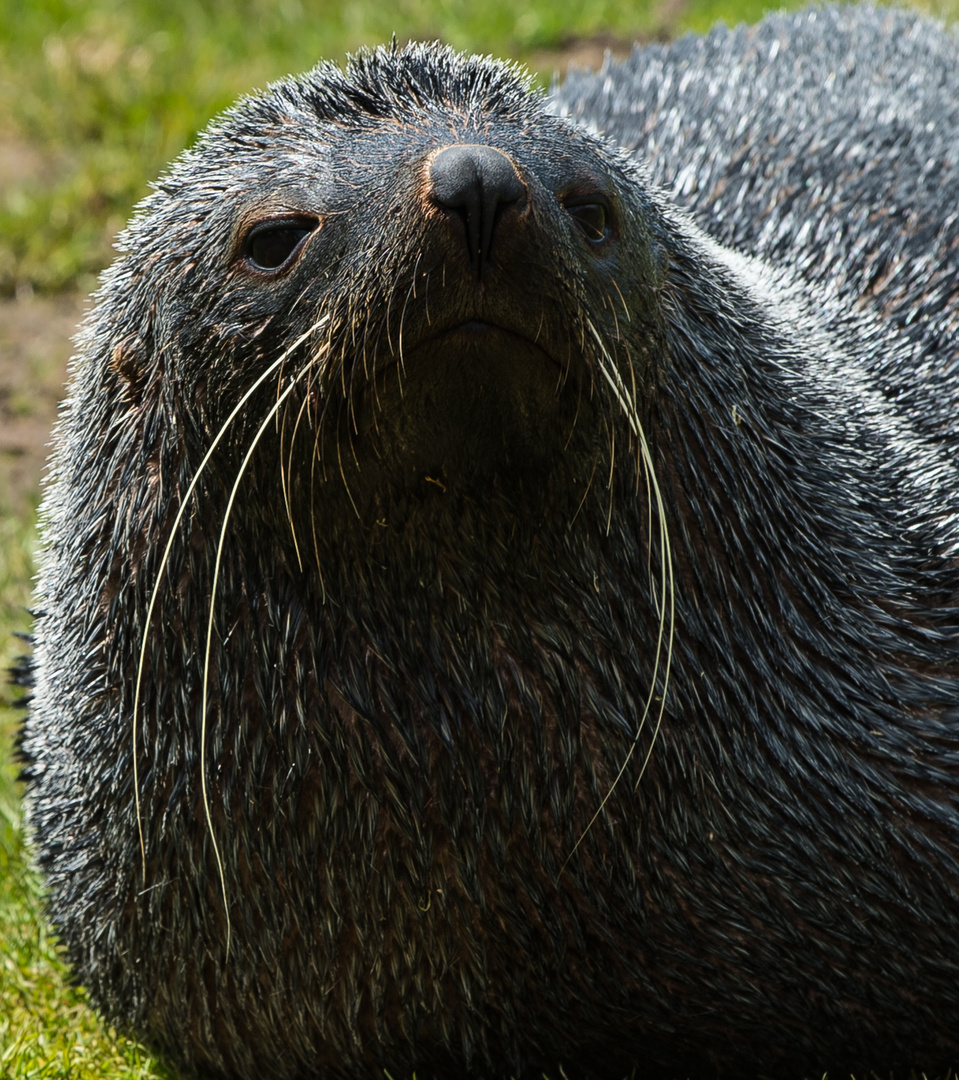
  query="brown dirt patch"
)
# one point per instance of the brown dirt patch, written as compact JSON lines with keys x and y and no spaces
{"x":581,"y":53}
{"x":35,"y":344}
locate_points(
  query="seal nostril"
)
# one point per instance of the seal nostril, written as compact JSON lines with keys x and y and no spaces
{"x":476,"y":183}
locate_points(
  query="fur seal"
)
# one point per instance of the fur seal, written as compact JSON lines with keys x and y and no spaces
{"x":499,"y":609}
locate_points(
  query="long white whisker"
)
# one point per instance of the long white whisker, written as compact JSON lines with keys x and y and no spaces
{"x":667,"y":586}
{"x":209,"y":637}
{"x":224,"y":427}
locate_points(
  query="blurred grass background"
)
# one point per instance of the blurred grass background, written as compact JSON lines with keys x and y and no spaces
{"x":95,"y":97}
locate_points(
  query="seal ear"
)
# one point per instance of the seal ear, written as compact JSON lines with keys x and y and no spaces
{"x":128,"y":362}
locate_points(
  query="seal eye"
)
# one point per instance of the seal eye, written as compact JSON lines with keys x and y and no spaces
{"x":271,"y":245}
{"x":593,"y":219}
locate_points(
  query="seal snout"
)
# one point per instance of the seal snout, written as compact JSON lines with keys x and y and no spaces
{"x":477,"y":185}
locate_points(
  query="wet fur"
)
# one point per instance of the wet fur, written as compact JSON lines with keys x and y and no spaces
{"x":401,"y":810}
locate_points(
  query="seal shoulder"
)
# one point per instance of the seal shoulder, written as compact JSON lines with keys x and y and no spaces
{"x":824,"y":84}
{"x":825,"y":144}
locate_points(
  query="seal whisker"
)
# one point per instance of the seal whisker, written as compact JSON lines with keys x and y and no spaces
{"x":665,"y":597}
{"x":371,"y":372}
{"x":609,"y":479}
{"x":346,"y":483}
{"x":586,"y":491}
{"x":314,"y":460}
{"x":286,"y":480}
{"x":622,"y":299}
{"x":304,"y":373}
{"x":165,"y":557}
{"x":410,"y":292}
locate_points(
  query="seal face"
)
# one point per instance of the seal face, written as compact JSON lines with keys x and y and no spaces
{"x":500,"y":605}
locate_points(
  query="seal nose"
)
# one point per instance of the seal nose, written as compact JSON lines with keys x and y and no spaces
{"x":477,"y":184}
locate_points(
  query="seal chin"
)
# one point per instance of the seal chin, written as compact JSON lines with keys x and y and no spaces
{"x":472,"y":400}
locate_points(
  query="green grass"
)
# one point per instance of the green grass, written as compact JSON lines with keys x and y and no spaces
{"x":47,"y":1031}
{"x":110,"y":91}
{"x":95,"y":97}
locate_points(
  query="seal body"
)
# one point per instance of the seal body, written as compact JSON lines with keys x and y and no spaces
{"x":499,"y":610}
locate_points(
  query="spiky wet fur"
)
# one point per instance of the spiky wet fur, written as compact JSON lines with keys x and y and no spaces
{"x":422,"y":688}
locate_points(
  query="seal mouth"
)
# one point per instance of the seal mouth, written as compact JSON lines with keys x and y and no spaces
{"x":479,"y":332}
{"x":499,"y":374}
{"x":473,"y":398}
